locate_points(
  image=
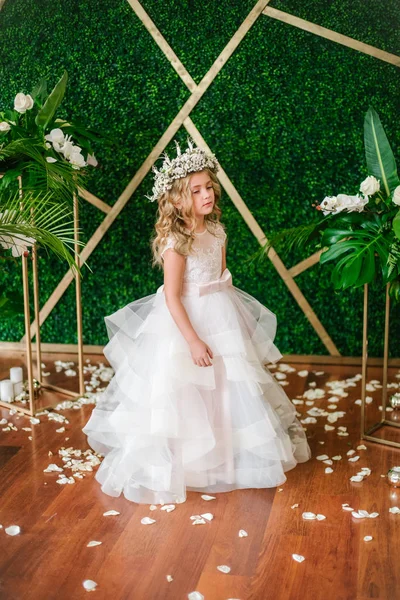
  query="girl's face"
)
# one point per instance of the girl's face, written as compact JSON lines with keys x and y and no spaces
{"x":202,"y":193}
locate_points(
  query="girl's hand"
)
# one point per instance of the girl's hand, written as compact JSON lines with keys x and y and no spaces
{"x":201,"y":353}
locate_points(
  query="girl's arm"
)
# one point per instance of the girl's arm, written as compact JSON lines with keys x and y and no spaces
{"x":174,"y":268}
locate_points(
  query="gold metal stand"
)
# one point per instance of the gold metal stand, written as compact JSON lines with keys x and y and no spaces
{"x":31,"y":411}
{"x":367,"y":434}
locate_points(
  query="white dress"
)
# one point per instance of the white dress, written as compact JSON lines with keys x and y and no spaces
{"x":166,"y":425}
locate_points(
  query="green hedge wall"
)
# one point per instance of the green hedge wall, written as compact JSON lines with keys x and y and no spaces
{"x":284,"y":116}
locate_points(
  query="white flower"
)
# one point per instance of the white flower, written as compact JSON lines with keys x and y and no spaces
{"x":335,"y":204}
{"x":56,"y":137}
{"x":370,"y":186}
{"x":4,"y":127}
{"x":76,"y":159}
{"x":352,"y":203}
{"x":396,"y":196}
{"x":23,"y":103}
{"x":19,"y":245}
{"x":328,"y":204}
{"x":92,"y":160}
{"x":50,"y":159}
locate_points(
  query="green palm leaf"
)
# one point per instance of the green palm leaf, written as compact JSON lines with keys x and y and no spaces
{"x":378,"y":153}
{"x":43,"y":218}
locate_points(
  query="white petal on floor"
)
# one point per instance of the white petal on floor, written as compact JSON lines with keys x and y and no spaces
{"x":147,"y":521}
{"x":356,"y":478}
{"x":395,"y":510}
{"x":93,"y":543}
{"x":328,"y":462}
{"x":224,"y":569}
{"x":169,"y":578}
{"x":308,"y":516}
{"x":89,"y":585}
{"x":208,"y":498}
{"x":322,"y":457}
{"x":110,"y":513}
{"x":361,"y":447}
{"x":153,"y":507}
{"x":295,"y":506}
{"x":168,"y":507}
{"x":199,"y":522}
{"x":328,"y":470}
{"x":298,"y":557}
{"x":368,"y":538}
{"x":337,"y":457}
{"x":208,"y":516}
{"x":321,"y":517}
{"x":350,"y":452}
{"x":195,"y":596}
{"x":354,"y":459}
{"x":13,"y":530}
{"x":242,"y":533}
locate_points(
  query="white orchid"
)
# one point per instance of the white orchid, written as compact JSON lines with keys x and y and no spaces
{"x":92,"y":160}
{"x":18,"y":245}
{"x":57,"y":138}
{"x":23,"y":102}
{"x":335,"y":204}
{"x":76,"y":159}
{"x":4,"y":127}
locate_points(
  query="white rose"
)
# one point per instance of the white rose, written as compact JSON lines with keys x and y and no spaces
{"x":4,"y":127}
{"x":370,"y":186}
{"x":396,"y":196}
{"x":23,"y":103}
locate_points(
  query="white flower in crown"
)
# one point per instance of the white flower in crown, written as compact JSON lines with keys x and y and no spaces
{"x":192,"y":160}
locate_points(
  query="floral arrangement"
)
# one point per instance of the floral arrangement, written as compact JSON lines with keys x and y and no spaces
{"x":191,"y":160}
{"x":43,"y":164}
{"x":360,"y":234}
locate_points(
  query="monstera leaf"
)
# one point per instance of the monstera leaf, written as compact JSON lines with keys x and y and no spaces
{"x":380,"y":160}
{"x":357,"y":254}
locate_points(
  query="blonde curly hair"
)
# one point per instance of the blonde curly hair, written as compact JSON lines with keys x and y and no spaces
{"x":173,"y":221}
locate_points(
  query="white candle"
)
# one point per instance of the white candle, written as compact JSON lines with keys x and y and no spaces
{"x":16,"y":374}
{"x":18,"y":388}
{"x":6,"y":390}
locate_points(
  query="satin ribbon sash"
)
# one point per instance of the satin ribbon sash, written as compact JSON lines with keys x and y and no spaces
{"x":210,"y":287}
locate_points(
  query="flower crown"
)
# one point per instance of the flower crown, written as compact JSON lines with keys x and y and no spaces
{"x":192,"y":160}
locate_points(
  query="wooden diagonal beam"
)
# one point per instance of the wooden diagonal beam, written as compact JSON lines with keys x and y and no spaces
{"x":262,"y":239}
{"x":333,"y":36}
{"x":168,"y":135}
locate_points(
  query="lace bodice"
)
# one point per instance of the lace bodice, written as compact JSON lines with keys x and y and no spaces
{"x":204,"y":263}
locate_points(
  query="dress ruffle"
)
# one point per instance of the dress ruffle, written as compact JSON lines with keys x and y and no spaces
{"x":166,"y":426}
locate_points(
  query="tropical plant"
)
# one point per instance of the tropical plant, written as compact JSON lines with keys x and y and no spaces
{"x":360,"y":234}
{"x":41,"y":169}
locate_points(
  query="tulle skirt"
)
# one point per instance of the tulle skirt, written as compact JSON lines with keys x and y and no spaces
{"x":166,"y":425}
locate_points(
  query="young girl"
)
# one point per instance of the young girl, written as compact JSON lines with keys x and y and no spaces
{"x":191,"y":405}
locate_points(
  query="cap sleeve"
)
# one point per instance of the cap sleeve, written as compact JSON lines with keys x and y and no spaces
{"x":221,"y":235}
{"x":170,"y":243}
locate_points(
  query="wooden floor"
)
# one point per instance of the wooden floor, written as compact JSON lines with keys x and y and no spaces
{"x":50,"y":558}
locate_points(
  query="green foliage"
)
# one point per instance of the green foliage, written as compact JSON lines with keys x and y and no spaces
{"x":285,"y":136}
{"x":380,"y":160}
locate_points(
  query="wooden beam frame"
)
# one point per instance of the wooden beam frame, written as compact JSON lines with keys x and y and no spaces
{"x":182,"y":118}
